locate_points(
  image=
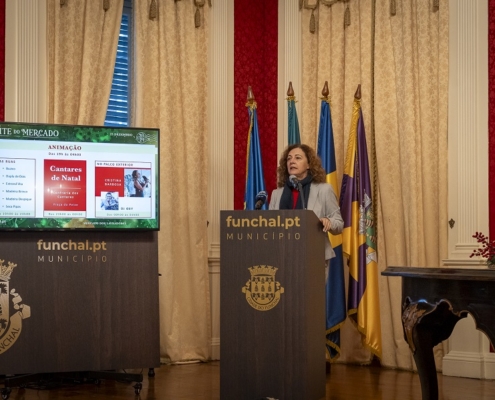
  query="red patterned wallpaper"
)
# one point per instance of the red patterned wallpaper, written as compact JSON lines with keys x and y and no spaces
{"x":255,"y":65}
{"x":491,"y":114}
{"x":2,"y":60}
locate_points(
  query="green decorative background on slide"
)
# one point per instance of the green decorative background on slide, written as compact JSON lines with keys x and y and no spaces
{"x":78,"y":223}
{"x":79,"y":133}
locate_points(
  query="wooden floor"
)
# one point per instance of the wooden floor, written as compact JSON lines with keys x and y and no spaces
{"x":202,"y":381}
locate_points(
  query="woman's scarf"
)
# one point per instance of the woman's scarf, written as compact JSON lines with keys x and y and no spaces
{"x":286,"y":199}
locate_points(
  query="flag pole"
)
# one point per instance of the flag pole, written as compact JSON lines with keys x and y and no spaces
{"x":250,"y":95}
{"x":325,"y":92}
{"x":255,"y":181}
{"x":359,"y":238}
{"x":335,"y":284}
{"x":293,"y":135}
{"x":290,"y":90}
{"x":357,"y":95}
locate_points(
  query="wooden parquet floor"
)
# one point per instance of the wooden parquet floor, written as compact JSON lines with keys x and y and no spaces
{"x":202,"y":382}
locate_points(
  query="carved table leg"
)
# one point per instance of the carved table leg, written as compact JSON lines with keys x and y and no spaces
{"x":425,"y":362}
{"x":425,"y":325}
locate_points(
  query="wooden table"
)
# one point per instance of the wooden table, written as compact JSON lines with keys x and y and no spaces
{"x":433,"y":300}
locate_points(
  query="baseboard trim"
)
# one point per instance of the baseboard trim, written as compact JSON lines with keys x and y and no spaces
{"x":215,"y":349}
{"x":469,"y":365}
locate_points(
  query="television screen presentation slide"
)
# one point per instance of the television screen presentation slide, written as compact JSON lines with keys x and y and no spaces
{"x":78,"y":177}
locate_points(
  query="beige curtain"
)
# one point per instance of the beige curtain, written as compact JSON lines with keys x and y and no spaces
{"x":170,"y":93}
{"x":401,"y":62}
{"x":82,"y":45}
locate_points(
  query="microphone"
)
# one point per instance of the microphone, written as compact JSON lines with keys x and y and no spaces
{"x":293,"y":180}
{"x":260,"y":200}
{"x":297,"y":185}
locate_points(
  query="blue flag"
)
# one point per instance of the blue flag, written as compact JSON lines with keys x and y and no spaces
{"x":335,"y":285}
{"x":293,"y":131}
{"x":255,"y":181}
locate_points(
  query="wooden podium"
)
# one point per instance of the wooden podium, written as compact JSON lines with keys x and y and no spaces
{"x":272,"y":305}
{"x":75,"y":302}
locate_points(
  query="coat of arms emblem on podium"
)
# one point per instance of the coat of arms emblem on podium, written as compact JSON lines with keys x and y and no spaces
{"x":10,"y":325}
{"x":262,"y":290}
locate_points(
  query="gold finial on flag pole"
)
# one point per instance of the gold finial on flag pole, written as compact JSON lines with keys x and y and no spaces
{"x":357,"y":95}
{"x":250,"y":95}
{"x":290,"y":90}
{"x":325,"y":92}
{"x":250,"y":98}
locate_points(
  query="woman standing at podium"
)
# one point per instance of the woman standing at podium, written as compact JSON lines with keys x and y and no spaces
{"x":301,"y":184}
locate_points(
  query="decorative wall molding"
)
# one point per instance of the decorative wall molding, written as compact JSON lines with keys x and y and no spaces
{"x":469,"y":353}
{"x":221,"y":122}
{"x":469,"y":365}
{"x":26,"y":61}
{"x":468,"y":128}
{"x":469,"y":349}
{"x":221,"y":163}
{"x":289,"y":64}
{"x":214,"y":275}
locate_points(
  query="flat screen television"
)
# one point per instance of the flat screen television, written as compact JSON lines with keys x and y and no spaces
{"x":72,"y":177}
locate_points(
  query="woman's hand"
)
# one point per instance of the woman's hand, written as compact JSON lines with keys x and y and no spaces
{"x":326,"y":224}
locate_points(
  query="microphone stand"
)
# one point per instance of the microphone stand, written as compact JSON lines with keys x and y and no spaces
{"x":299,"y":187}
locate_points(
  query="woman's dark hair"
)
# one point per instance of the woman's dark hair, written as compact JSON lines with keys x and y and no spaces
{"x":315,"y":168}
{"x":135,"y":173}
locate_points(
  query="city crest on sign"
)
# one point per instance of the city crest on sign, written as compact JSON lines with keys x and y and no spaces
{"x":262,"y":290}
{"x":10,"y":325}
